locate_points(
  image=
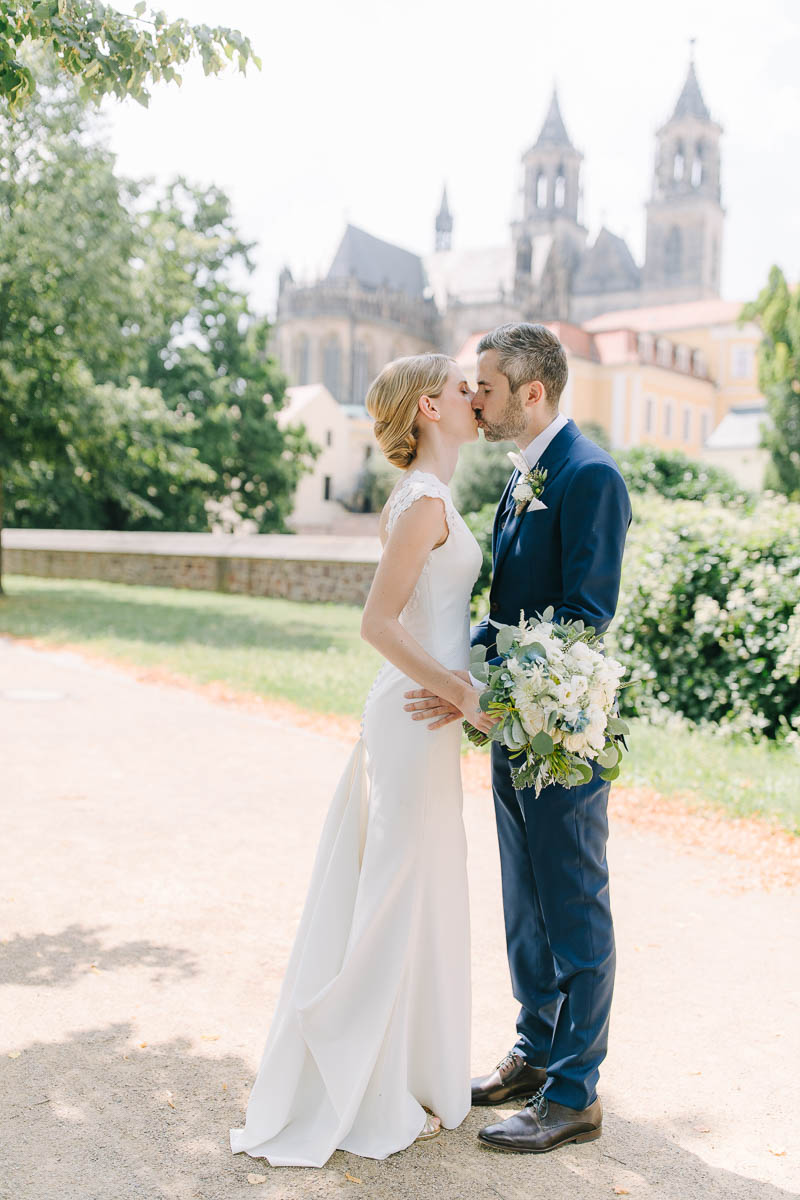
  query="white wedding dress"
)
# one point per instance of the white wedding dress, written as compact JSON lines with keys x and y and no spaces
{"x":373,"y":1018}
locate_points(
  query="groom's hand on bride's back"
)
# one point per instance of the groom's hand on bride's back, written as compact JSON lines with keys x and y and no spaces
{"x":425,"y":706}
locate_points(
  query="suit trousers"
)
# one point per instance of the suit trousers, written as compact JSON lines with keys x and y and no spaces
{"x":559,"y":930}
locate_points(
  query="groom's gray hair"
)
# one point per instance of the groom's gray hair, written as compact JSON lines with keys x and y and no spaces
{"x":526,"y":352}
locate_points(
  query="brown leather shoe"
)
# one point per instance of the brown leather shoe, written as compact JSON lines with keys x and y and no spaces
{"x":543,"y":1125}
{"x":511,"y":1077}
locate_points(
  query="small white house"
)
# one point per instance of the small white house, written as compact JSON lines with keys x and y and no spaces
{"x":345,"y":438}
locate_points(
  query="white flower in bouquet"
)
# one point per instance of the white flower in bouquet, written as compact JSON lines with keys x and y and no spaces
{"x":554,"y":696}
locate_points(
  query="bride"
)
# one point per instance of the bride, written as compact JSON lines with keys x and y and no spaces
{"x":369,"y":1045}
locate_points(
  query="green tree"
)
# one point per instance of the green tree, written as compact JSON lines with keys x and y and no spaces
{"x":104,"y":300}
{"x":108,"y":52}
{"x":777,"y":310}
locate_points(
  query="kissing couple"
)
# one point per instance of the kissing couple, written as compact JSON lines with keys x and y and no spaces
{"x":369,"y":1047}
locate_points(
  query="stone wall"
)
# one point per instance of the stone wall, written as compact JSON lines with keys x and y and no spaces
{"x":314,"y":569}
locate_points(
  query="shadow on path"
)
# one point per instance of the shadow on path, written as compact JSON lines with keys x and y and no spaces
{"x":95,"y":1117}
{"x":58,"y":959}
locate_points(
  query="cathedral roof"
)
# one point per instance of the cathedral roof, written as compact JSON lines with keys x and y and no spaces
{"x":554,"y":132}
{"x":471,"y":275}
{"x":607,"y":266}
{"x":690,"y":102}
{"x":376,"y":264}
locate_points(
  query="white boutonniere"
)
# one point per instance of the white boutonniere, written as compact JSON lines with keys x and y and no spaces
{"x":528,"y":489}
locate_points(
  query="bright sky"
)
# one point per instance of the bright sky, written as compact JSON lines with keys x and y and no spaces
{"x":364,"y":108}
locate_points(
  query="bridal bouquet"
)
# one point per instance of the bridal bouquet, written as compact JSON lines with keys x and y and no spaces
{"x":554,"y":695}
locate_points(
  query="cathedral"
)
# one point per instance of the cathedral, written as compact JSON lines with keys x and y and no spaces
{"x":655,"y":356}
{"x":379,"y":301}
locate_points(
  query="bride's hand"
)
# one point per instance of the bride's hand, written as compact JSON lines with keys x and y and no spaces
{"x":474,"y":713}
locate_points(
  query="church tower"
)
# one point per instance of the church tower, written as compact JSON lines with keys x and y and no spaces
{"x":685,"y":215}
{"x":549,"y":229}
{"x":444,"y":225}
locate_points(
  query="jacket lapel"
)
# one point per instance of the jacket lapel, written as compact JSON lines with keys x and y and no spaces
{"x":499,"y":524}
{"x":552,"y":460}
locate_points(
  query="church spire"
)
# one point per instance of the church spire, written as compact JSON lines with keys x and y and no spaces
{"x":444,"y":224}
{"x":690,"y":102}
{"x":554,"y":131}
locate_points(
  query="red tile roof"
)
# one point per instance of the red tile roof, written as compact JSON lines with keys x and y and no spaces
{"x":692,"y":314}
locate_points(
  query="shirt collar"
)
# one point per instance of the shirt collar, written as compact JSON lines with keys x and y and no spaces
{"x":534,"y":451}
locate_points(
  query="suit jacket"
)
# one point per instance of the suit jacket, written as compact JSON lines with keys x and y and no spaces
{"x":568,"y":555}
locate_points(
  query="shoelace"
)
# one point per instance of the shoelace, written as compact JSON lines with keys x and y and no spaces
{"x":539,"y":1102}
{"x":510,"y":1060}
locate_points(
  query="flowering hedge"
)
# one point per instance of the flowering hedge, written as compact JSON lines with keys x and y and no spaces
{"x":708,"y":621}
{"x":709,"y":616}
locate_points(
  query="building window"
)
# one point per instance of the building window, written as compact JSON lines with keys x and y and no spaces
{"x":683,"y":358}
{"x":360,"y":372}
{"x":664,"y":352}
{"x":560,"y":189}
{"x":541,"y":190}
{"x":332,"y":366}
{"x":649,"y":414}
{"x":524,"y":254}
{"x":326,"y":488}
{"x":645,"y":346}
{"x":697,"y":166}
{"x":687,"y":425}
{"x":667,"y":426}
{"x":705,"y":426}
{"x":329,"y":438}
{"x":699,"y":364}
{"x":679,"y":162}
{"x":741,"y":362}
{"x":301,"y":360}
{"x":673,"y":253}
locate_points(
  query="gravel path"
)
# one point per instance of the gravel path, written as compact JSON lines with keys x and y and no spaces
{"x":156,"y":850}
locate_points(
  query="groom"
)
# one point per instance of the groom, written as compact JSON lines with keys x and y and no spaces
{"x":565,"y":552}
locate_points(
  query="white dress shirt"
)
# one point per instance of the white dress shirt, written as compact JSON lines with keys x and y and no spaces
{"x":532,"y":453}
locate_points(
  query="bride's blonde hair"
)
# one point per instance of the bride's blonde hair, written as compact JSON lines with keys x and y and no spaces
{"x":393,"y":400}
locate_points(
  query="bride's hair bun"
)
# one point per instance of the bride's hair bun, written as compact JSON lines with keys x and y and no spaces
{"x":393,"y":402}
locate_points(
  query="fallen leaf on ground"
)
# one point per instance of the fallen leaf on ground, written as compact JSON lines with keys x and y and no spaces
{"x":621,"y":1191}
{"x":257,"y":1178}
{"x":94,"y":967}
{"x":695,"y":1072}
{"x":170,"y":1101}
{"x":209,"y":1037}
{"x":778,"y":1152}
{"x":352,"y":1178}
{"x":702,"y":1129}
{"x":15,"y":1054}
{"x":224,"y":1087}
{"x":142,"y":1045}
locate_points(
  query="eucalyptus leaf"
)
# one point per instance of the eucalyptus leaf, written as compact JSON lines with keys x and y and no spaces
{"x":548,"y":613}
{"x":542,"y":743}
{"x":477,"y":654}
{"x":610,"y":775}
{"x":506,"y":636}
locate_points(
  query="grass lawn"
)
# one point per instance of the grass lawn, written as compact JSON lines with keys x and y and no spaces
{"x":313,"y":655}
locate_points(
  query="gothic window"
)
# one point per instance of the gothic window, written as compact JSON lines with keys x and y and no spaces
{"x":524,"y":253}
{"x":360,"y":372}
{"x":678,"y":162}
{"x":332,"y":366}
{"x":300,"y":366}
{"x":560,"y":189}
{"x":672,"y":253}
{"x":541,"y":190}
{"x":697,"y":166}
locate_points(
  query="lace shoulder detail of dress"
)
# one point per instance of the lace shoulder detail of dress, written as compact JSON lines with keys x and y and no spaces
{"x":417,"y":485}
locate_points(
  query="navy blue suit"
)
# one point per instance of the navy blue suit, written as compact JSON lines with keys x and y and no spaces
{"x":559,"y":932}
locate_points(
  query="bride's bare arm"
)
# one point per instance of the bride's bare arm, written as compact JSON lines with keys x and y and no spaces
{"x":414,"y":535}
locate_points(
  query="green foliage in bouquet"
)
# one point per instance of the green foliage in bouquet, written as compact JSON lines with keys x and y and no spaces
{"x":561,"y":749}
